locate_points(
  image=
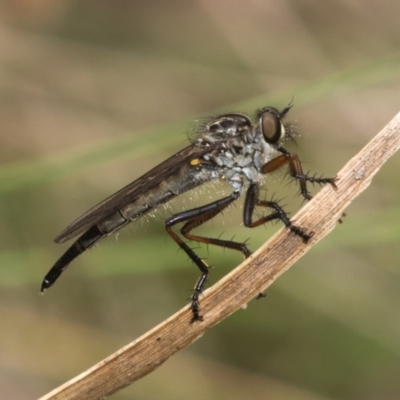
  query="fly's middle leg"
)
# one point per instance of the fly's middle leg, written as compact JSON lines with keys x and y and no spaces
{"x":192,"y":219}
{"x":252,"y":200}
{"x":278,"y":213}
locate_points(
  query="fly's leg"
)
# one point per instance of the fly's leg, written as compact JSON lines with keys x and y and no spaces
{"x":192,"y":219}
{"x":252,"y":200}
{"x":296,"y":171}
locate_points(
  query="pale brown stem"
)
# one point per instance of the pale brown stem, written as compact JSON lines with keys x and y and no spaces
{"x":258,"y":272}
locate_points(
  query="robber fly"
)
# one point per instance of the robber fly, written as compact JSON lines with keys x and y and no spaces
{"x":230,"y":147}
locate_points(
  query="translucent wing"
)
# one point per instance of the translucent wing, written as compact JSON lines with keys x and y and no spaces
{"x":132,"y":191}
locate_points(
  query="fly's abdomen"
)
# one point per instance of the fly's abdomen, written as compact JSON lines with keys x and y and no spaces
{"x":87,"y":240}
{"x":183,"y":179}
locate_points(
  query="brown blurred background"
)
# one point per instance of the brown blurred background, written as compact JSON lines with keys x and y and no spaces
{"x":94,"y":93}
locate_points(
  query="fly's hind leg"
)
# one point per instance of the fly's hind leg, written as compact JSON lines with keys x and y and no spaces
{"x":192,"y":219}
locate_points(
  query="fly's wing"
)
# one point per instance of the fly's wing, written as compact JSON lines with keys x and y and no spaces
{"x":130,"y":192}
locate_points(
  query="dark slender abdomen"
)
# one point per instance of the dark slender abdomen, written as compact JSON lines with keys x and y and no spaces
{"x":175,"y":184}
{"x":87,"y":240}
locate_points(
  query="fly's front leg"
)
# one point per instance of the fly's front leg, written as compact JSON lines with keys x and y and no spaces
{"x":193,"y":219}
{"x":296,"y":171}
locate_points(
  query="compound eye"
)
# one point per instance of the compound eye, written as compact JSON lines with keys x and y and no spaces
{"x":271,"y":126}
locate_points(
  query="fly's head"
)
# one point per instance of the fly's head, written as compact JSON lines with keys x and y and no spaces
{"x":270,"y":124}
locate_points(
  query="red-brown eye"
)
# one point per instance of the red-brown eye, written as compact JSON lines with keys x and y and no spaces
{"x":271,"y":126}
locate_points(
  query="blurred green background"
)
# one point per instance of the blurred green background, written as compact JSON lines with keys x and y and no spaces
{"x":94,"y":93}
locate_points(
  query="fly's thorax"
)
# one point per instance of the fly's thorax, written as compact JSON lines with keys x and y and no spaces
{"x":240,"y":148}
{"x":265,"y":153}
{"x":236,"y":161}
{"x":227,"y":126}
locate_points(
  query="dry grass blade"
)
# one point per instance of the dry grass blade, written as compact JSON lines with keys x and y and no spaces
{"x":241,"y":285}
